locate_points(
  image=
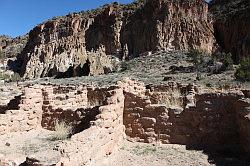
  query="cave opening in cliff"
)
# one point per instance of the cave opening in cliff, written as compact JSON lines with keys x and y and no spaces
{"x":220,"y":40}
{"x":78,"y":71}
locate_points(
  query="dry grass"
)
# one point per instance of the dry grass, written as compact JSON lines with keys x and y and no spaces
{"x":62,"y":131}
{"x":172,"y":99}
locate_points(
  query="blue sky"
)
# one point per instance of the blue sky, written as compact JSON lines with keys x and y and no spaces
{"x":18,"y":17}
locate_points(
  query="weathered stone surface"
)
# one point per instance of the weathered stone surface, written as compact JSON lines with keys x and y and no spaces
{"x":101,"y":116}
{"x":232,"y":26}
{"x":11,"y":47}
{"x":168,"y":25}
{"x":205,"y":118}
{"x":79,"y":44}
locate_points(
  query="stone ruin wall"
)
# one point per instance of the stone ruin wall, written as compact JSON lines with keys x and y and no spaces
{"x":26,"y":115}
{"x":104,"y":135}
{"x":101,"y":117}
{"x":96,"y":115}
{"x":181,"y":115}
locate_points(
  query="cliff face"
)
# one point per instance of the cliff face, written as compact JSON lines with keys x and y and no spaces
{"x":12,"y":46}
{"x":168,"y":25}
{"x":232,"y":26}
{"x":80,"y":44}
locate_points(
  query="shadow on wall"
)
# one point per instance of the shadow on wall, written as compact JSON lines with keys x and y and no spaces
{"x":214,"y":125}
{"x":79,"y":119}
{"x":72,"y":71}
{"x":12,"y":105}
{"x":89,"y":115}
{"x":224,"y":155}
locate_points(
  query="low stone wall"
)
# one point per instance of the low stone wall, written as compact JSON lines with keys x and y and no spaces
{"x":102,"y":138}
{"x":96,"y":115}
{"x":63,"y":103}
{"x":182,"y":115}
{"x":28,"y":114}
{"x":243,"y":119}
{"x":100,"y":117}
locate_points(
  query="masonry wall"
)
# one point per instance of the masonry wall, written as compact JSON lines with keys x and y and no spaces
{"x":204,"y":118}
{"x":27,"y":115}
{"x":96,"y":115}
{"x":243,"y":119}
{"x":63,"y":104}
{"x":101,"y":117}
{"x":104,"y":135}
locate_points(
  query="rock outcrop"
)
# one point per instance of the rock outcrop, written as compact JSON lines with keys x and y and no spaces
{"x":232,"y":26}
{"x":80,"y":44}
{"x":168,"y":25}
{"x":11,"y":47}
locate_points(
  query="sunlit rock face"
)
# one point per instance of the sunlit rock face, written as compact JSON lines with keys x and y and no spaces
{"x":11,"y":47}
{"x":81,"y":44}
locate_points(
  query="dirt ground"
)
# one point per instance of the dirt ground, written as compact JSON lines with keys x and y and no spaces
{"x":141,"y":154}
{"x":17,"y":146}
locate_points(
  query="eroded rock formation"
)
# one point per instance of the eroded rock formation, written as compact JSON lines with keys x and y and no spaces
{"x":168,"y":25}
{"x":11,"y":47}
{"x":125,"y":31}
{"x":232,"y":26}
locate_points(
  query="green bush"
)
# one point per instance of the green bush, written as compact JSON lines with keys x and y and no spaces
{"x":15,"y":77}
{"x":195,"y":55}
{"x":2,"y":56}
{"x":226,"y":60}
{"x":10,"y":78}
{"x":243,"y":72}
{"x":4,"y":76}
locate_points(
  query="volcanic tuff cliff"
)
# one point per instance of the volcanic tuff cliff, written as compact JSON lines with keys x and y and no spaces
{"x":80,"y":43}
{"x":12,"y":46}
{"x":232,"y":26}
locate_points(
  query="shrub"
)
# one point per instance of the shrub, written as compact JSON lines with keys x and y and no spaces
{"x":4,"y":76}
{"x":195,"y":55}
{"x":201,"y":61}
{"x":15,"y":77}
{"x":62,"y":131}
{"x":226,"y":60}
{"x":2,"y":56}
{"x":243,"y":72}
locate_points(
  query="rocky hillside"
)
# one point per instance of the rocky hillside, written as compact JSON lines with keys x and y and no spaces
{"x":232,"y":26}
{"x":81,"y":43}
{"x":10,"y":47}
